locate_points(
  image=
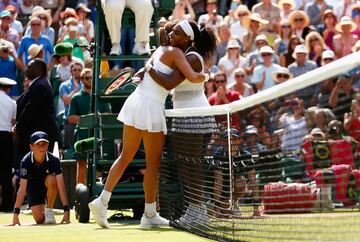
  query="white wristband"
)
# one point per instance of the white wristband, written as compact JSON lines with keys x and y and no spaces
{"x":207,"y":77}
{"x":148,"y":66}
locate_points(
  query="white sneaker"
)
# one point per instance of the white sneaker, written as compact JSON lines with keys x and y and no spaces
{"x":115,"y":49}
{"x":99,"y":209}
{"x":140,"y":49}
{"x":155,"y":221}
{"x":49,"y":216}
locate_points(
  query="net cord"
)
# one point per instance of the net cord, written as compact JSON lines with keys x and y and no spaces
{"x":308,"y":79}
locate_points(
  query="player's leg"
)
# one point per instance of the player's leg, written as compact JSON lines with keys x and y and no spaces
{"x":131,"y":143}
{"x":153,"y":144}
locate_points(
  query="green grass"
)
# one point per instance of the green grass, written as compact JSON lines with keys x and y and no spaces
{"x":338,"y":225}
{"x":128,"y":231}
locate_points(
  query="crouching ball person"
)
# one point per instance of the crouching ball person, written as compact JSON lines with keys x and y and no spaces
{"x":41,"y":179}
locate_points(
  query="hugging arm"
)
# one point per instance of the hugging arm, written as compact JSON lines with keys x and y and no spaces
{"x":169,"y":81}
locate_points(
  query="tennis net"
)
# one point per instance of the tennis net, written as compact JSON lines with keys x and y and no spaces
{"x":276,"y":165}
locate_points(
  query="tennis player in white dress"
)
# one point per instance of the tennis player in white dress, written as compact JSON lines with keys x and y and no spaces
{"x":144,"y":119}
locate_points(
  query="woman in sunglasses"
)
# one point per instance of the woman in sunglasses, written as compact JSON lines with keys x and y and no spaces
{"x":241,"y":86}
{"x":299,"y":22}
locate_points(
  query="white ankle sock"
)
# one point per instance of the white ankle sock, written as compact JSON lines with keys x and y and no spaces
{"x":105,"y":195}
{"x":150,"y":209}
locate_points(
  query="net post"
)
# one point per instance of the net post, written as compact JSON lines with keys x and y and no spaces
{"x":230,"y":158}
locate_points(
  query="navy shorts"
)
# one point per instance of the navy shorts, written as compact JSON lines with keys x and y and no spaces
{"x":36,"y":192}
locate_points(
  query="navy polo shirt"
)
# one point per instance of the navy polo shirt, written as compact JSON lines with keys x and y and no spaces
{"x":33,"y":171}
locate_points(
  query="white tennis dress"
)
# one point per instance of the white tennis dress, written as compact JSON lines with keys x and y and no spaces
{"x":144,"y":108}
{"x":188,"y":95}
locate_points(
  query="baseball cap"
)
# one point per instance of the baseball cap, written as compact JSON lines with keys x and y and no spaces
{"x":233,"y":132}
{"x":38,"y":136}
{"x":328,"y":54}
{"x":5,"y":13}
{"x":250,"y":129}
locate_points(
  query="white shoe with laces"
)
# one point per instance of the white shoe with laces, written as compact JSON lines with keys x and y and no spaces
{"x":99,"y":210}
{"x":115,"y":49}
{"x":140,"y":49}
{"x":49,"y":216}
{"x":153,"y":222}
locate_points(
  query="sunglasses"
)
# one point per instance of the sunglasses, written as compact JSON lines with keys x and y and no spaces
{"x":282,"y":76}
{"x":87,"y":78}
{"x":220,"y":81}
{"x":266,"y":54}
{"x":76,"y":70}
{"x":299,"y":19}
{"x":286,"y":26}
{"x":242,"y":14}
{"x":315,"y":39}
{"x":36,"y":24}
{"x":328,"y":59}
{"x":239,"y":75}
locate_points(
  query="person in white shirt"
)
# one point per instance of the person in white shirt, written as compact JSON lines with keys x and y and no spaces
{"x":211,"y":18}
{"x":239,"y":29}
{"x":262,"y":77}
{"x":7,"y":120}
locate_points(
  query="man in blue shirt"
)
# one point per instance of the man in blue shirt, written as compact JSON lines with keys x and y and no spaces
{"x":35,"y":38}
{"x":41,"y":178}
{"x":8,"y":64}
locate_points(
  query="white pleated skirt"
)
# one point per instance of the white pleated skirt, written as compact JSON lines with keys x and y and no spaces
{"x":144,"y":112}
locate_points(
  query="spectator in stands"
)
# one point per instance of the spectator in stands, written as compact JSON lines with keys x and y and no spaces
{"x":210,"y":86}
{"x":232,"y":60}
{"x":222,"y":95}
{"x":286,"y":7}
{"x":55,"y":7}
{"x":73,"y":37}
{"x":355,"y":15}
{"x":26,"y":7}
{"x":341,"y":96}
{"x":5,"y":3}
{"x":8,"y":64}
{"x":15,"y":24}
{"x":64,"y":15}
{"x":344,"y":40}
{"x":239,"y":28}
{"x":252,"y":146}
{"x":243,"y":88}
{"x":344,"y":8}
{"x":36,"y":109}
{"x":259,"y":118}
{"x":287,"y":57}
{"x":224,"y":35}
{"x":83,"y":12}
{"x":67,"y":90}
{"x":329,"y":30}
{"x":315,"y":11}
{"x":6,"y":31}
{"x":299,"y":67}
{"x":290,"y":117}
{"x":299,"y":21}
{"x":179,"y":12}
{"x":271,"y":13}
{"x":282,"y":41}
{"x":254,"y":58}
{"x":7,"y":120}
{"x":65,"y":59}
{"x":41,"y":178}
{"x":80,"y":105}
{"x":281,"y":75}
{"x":262,"y":77}
{"x":35,"y":38}
{"x":315,"y":45}
{"x":352,"y":120}
{"x":211,"y":18}
{"x":46,"y":21}
{"x":254,"y":26}
{"x":327,"y":85}
{"x":322,"y":119}
{"x":113,"y":10}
